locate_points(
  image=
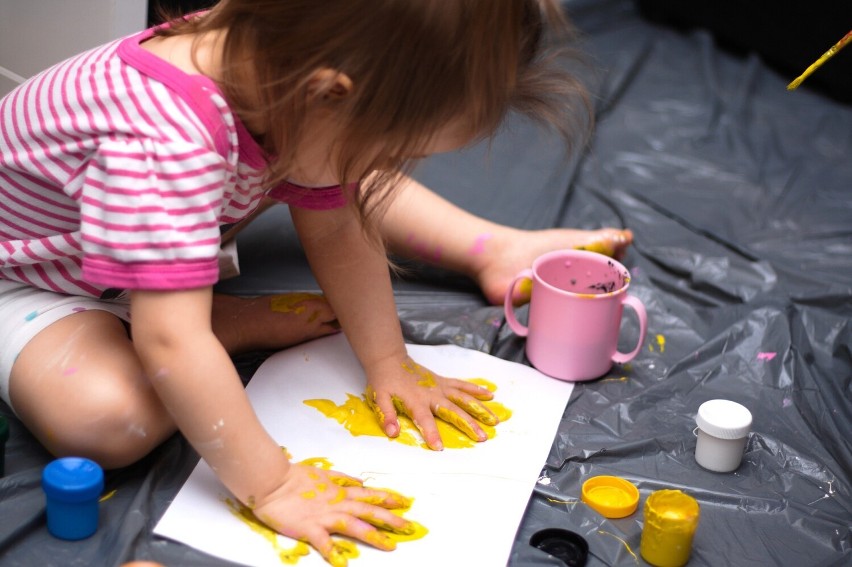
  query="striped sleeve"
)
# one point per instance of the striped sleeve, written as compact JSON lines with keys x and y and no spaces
{"x":150,"y":214}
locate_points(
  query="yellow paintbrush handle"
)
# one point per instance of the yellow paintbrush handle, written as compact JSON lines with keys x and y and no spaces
{"x":816,"y":64}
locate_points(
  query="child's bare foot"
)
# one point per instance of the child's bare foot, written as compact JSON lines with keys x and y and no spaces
{"x":271,"y":322}
{"x":508,"y":253}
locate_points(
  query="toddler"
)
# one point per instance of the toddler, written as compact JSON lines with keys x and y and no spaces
{"x":125,"y":169}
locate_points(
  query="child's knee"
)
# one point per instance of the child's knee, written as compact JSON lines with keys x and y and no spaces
{"x":116,"y":430}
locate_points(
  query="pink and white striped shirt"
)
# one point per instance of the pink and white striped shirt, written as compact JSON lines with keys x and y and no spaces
{"x":117,"y":170}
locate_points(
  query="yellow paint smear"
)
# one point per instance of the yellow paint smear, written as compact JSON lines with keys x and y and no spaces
{"x":427,"y":379}
{"x":344,"y":549}
{"x":605,"y":247}
{"x":661,"y":344}
{"x":287,"y":555}
{"x":525,"y":288}
{"x":630,"y":551}
{"x":291,"y":302}
{"x":832,"y":51}
{"x":357,"y":417}
{"x":107,"y":496}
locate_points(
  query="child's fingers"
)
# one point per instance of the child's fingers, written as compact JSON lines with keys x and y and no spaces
{"x":475,"y":390}
{"x":456,"y":417}
{"x":475,"y":409}
{"x":423,"y":419}
{"x":383,"y":497}
{"x":352,"y":525}
{"x":385,"y":411}
{"x":341,"y":479}
{"x":321,"y":540}
{"x":405,"y":528}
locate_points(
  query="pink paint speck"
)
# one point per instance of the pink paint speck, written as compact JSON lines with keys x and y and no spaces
{"x":479,"y":244}
{"x":69,"y":371}
{"x":766,"y":356}
{"x":78,"y":309}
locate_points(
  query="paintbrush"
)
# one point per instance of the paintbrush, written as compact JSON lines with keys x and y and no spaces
{"x":816,"y":64}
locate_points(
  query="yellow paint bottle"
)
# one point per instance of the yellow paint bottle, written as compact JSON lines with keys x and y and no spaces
{"x":670,"y":521}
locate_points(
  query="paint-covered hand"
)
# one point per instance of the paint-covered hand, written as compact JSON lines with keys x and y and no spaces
{"x":313,"y":503}
{"x":408,"y":389}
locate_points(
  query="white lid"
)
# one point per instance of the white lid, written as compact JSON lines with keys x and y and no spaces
{"x":724,"y":419}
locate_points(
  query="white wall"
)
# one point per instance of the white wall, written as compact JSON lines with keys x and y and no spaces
{"x":35,"y":34}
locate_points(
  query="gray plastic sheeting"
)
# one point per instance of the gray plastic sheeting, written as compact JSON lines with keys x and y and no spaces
{"x":739,"y":195}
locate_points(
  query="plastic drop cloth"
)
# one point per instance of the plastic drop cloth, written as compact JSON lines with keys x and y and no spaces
{"x":740,"y":197}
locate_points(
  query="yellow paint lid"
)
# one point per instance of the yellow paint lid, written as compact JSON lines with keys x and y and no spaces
{"x":611,"y":496}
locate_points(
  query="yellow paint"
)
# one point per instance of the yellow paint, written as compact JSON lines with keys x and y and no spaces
{"x":395,"y":500}
{"x":107,"y":496}
{"x":846,"y":39}
{"x":661,"y":344}
{"x":611,"y":496}
{"x":400,"y":407}
{"x":370,"y":397}
{"x":291,"y":302}
{"x":426,"y":378}
{"x":416,"y":531}
{"x":605,"y":247}
{"x":524,"y":290}
{"x":619,"y":379}
{"x":630,"y":551}
{"x":357,"y":417}
{"x":386,"y":537}
{"x":455,"y":419}
{"x":339,"y":497}
{"x":287,"y":555}
{"x":487,"y":384}
{"x":318,"y":462}
{"x":671,"y":517}
{"x":309,"y":495}
{"x":380,"y":540}
{"x":476,"y":409}
{"x":342,"y":551}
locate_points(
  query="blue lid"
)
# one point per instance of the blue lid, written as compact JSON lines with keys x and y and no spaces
{"x":72,"y":479}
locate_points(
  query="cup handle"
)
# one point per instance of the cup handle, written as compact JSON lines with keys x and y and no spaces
{"x":639,"y":308}
{"x":509,"y":308}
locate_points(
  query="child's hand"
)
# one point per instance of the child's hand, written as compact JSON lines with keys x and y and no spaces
{"x":312,"y":503}
{"x":414,"y":391}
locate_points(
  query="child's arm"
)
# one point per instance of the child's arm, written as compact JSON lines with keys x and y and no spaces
{"x":198,"y":384}
{"x":354,"y":276}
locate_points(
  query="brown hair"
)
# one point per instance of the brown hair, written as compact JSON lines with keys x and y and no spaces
{"x":416,"y":65}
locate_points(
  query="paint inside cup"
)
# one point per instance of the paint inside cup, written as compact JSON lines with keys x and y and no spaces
{"x":584,"y":276}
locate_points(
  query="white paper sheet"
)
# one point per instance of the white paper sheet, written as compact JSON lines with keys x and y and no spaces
{"x":471,"y":500}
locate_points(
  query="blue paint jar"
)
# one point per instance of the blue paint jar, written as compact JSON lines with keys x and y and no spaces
{"x":72,"y":486}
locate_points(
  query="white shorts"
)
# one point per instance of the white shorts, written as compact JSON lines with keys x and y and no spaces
{"x":25,"y":311}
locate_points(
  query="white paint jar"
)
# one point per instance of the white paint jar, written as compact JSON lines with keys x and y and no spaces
{"x":722,"y":431}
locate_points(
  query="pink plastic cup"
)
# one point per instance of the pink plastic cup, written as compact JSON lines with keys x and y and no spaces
{"x":577,"y":302}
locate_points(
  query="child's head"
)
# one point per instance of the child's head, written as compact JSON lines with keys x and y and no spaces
{"x":392,"y":75}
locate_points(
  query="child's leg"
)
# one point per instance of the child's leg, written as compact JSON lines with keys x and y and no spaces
{"x":423,"y":225}
{"x":78,"y":385}
{"x":79,"y":388}
{"x":271,"y":322}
